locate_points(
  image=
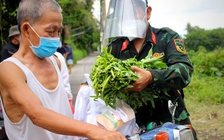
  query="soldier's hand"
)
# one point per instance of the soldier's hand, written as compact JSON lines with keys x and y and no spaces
{"x":145,"y":79}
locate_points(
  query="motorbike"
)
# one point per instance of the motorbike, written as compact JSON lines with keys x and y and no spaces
{"x":167,"y":131}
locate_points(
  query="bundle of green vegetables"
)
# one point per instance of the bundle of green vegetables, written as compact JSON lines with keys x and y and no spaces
{"x":111,"y":76}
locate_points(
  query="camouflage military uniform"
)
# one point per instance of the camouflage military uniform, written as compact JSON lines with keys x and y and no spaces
{"x":168,"y":43}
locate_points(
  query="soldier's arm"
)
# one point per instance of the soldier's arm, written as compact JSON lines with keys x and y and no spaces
{"x":179,"y":71}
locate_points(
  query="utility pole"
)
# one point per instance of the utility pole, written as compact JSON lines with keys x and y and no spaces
{"x":102,"y":22}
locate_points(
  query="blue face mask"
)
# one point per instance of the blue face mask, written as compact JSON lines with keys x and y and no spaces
{"x":47,"y":47}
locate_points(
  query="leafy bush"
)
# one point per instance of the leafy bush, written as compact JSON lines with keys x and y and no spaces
{"x":207,"y":84}
{"x":210,"y":39}
{"x":208,"y":63}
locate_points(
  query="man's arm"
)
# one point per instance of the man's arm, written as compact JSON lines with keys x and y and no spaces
{"x":14,"y":87}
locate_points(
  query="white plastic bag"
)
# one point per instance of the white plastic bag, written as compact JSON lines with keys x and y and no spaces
{"x":121,"y":119}
{"x":113,"y":119}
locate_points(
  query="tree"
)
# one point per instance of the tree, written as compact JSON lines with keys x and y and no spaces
{"x":196,"y":38}
{"x":7,"y":18}
{"x":190,"y":28}
{"x":210,"y":39}
{"x":82,"y":26}
{"x":216,"y":37}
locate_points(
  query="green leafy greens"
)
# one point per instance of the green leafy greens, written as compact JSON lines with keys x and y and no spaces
{"x":111,"y":76}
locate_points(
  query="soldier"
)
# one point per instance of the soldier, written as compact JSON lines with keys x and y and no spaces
{"x":135,"y":37}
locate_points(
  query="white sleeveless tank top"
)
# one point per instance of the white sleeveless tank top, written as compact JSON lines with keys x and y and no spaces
{"x":55,"y":100}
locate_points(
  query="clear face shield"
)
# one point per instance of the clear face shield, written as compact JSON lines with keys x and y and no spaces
{"x":126,"y":18}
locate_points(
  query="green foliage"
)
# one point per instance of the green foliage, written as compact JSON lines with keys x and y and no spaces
{"x":83,"y":33}
{"x":216,"y":37}
{"x":208,"y":63}
{"x":79,"y":54}
{"x":190,"y":28}
{"x":111,"y":77}
{"x":95,"y":46}
{"x":83,"y":27}
{"x":207,"y":89}
{"x":195,"y":39}
{"x":8,"y":11}
{"x":207,"y":84}
{"x":211,"y":39}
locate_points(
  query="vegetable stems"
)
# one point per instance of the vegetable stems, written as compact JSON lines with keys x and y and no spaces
{"x":111,"y":77}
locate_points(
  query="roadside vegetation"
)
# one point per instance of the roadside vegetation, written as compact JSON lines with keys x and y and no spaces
{"x":205,"y":94}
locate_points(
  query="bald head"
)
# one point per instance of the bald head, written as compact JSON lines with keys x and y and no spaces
{"x":32,"y":10}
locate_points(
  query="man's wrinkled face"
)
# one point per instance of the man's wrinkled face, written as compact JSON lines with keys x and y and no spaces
{"x":50,"y":25}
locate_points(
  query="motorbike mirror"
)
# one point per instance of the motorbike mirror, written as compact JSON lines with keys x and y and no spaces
{"x":172,"y":109}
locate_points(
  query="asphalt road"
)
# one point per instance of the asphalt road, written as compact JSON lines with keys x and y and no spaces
{"x":79,"y":69}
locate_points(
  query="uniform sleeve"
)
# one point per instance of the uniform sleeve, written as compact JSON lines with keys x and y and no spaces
{"x":179,"y":71}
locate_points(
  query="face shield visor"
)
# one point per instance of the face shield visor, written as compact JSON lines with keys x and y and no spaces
{"x":126,"y":18}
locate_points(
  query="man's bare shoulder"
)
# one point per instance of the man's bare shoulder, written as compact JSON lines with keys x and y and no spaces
{"x":8,"y":65}
{"x":9,"y":72}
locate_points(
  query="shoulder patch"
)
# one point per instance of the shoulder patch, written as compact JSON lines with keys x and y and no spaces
{"x":179,"y":45}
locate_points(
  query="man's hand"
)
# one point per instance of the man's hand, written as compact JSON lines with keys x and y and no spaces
{"x":145,"y":79}
{"x":108,"y":135}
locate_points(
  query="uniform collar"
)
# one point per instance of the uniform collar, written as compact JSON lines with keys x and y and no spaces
{"x":150,"y":36}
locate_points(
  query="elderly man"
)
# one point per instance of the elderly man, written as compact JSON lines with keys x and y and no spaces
{"x":35,"y":105}
{"x":13,"y":45}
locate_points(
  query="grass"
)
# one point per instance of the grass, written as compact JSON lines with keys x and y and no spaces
{"x":208,"y":120}
{"x":204,"y":100}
